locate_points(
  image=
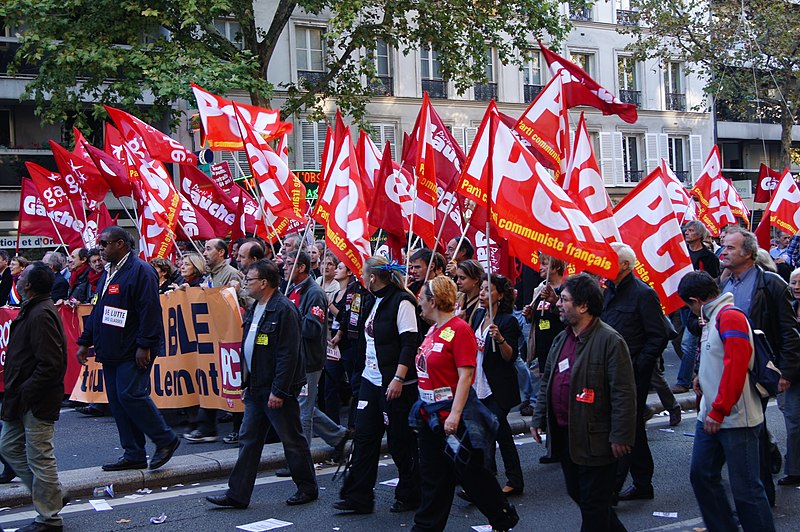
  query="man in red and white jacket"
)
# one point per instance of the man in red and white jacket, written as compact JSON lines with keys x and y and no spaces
{"x":730,"y":413}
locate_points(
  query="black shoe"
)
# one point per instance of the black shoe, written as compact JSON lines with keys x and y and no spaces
{"x":461,"y":494}
{"x":347,"y":506}
{"x":548,"y":460}
{"x":283,"y":472}
{"x":40,"y":527}
{"x":123,"y":464}
{"x":789,"y":480}
{"x":675,"y":416}
{"x":511,"y":491}
{"x":338,"y":451}
{"x":301,"y":498}
{"x":90,"y":410}
{"x":224,"y":500}
{"x":162,"y":456}
{"x":636,"y":493}
{"x":775,"y":459}
{"x":510,"y":519}
{"x":401,"y":506}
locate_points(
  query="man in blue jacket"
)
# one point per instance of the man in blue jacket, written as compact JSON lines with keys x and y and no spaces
{"x":126,"y":330}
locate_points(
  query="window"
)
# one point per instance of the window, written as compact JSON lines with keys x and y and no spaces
{"x":309,"y":51}
{"x":382,"y":133}
{"x":6,"y":140}
{"x":487,"y":91}
{"x":431,"y":69}
{"x":532,"y":75}
{"x":231,"y":30}
{"x":627,"y":70}
{"x":677,"y":157}
{"x":578,"y":11}
{"x":626,"y":14}
{"x":583,"y":60}
{"x":237,"y":162}
{"x":631,"y":158}
{"x":674,"y":83}
{"x":312,"y":136}
{"x":382,"y":84}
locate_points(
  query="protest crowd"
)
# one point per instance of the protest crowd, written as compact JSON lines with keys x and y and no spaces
{"x":485,"y":276}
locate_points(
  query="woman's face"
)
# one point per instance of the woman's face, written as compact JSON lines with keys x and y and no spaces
{"x":483,"y":298}
{"x":465,"y":284}
{"x":342,"y":272}
{"x":187,"y":268}
{"x":14,"y":267}
{"x":426,"y":305}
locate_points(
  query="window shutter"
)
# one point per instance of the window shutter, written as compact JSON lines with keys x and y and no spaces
{"x":241,"y":157}
{"x":458,"y":134}
{"x":619,"y":163}
{"x":695,"y":156}
{"x":607,"y":159}
{"x":652,"y":153}
{"x":469,"y":137}
{"x":663,"y":147}
{"x":309,"y":139}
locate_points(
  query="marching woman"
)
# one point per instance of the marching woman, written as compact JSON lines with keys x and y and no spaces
{"x":469,"y":275}
{"x":498,"y":341}
{"x":193,"y":268}
{"x":456,"y":430}
{"x":386,"y":347}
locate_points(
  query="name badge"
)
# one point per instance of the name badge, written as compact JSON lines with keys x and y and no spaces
{"x":563,"y":365}
{"x":437,"y":347}
{"x":426,"y":395}
{"x":544,"y":325}
{"x":113,"y":289}
{"x":253,"y":327}
{"x":114,"y":316}
{"x":443,"y":394}
{"x":262,"y":339}
{"x":362,"y":405}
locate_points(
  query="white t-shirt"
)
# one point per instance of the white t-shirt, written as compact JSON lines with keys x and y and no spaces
{"x":481,"y":384}
{"x":406,"y":322}
{"x":250,"y":339}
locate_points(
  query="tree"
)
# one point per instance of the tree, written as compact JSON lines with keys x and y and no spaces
{"x":747,"y":51}
{"x":118,"y":51}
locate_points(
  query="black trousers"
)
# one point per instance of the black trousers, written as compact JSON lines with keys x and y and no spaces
{"x":592,"y":488}
{"x":440,"y":474}
{"x":640,"y":461}
{"x":376,"y":416}
{"x":764,"y":447}
{"x":505,"y":440}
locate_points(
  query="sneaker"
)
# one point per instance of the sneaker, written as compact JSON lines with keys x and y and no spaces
{"x":198,"y":437}
{"x":678,"y":388}
{"x":231,"y":438}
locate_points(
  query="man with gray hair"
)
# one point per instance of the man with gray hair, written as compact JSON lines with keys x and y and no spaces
{"x":632,"y":308}
{"x":57,"y":262}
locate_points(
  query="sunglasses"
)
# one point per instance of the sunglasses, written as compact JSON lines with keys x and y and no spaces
{"x":104,"y":243}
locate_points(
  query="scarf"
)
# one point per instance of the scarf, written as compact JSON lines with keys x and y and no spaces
{"x":94,"y":277}
{"x":77,"y":273}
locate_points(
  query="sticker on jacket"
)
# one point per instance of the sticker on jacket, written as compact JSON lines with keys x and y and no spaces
{"x":262,"y":339}
{"x":587,"y":396}
{"x":114,"y":316}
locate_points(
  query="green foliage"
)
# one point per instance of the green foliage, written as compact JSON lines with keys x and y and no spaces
{"x":124,"y":52}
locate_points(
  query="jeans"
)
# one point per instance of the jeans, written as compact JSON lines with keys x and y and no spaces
{"x":258,"y":418}
{"x":524,"y":380}
{"x":27,"y":445}
{"x":128,"y":391}
{"x":314,"y":421}
{"x":738,"y":448}
{"x":689,"y":348}
{"x":789,"y":401}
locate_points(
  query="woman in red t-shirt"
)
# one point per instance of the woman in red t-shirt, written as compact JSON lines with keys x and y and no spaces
{"x":445,"y":368}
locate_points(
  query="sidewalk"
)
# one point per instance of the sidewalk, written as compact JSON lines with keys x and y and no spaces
{"x":201,"y":466}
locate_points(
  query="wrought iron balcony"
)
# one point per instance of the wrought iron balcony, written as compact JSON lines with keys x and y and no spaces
{"x":485,"y":92}
{"x":676,"y":101}
{"x":531,"y":92}
{"x":580,"y":13}
{"x":437,"y":88}
{"x":310,"y":78}
{"x":626,"y":17}
{"x":634,"y":97}
{"x":382,"y":86}
{"x":633,"y":176}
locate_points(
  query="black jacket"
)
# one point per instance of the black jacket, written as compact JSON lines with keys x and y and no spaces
{"x":633,"y":310}
{"x":36,"y":361}
{"x":277,"y":365}
{"x":313,"y":324}
{"x":391,"y":347}
{"x":501,"y":374}
{"x":5,"y":285}
{"x":60,"y":287}
{"x":81,"y":291}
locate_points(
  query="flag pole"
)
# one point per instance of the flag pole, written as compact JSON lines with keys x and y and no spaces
{"x":439,"y":234}
{"x":411,"y":225}
{"x":257,"y":197}
{"x":489,"y":179}
{"x":378,"y":240}
{"x":294,"y":264}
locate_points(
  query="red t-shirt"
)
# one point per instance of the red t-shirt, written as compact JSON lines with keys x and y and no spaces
{"x":444,"y":350}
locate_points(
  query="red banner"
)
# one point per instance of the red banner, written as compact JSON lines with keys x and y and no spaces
{"x":34,"y":219}
{"x":783,"y":207}
{"x":215,"y":205}
{"x":767,"y":183}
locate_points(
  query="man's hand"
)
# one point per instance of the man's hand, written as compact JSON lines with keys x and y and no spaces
{"x":451,"y":268}
{"x":527,"y":312}
{"x":711,"y":426}
{"x":82,"y":354}
{"x":142,"y":357}
{"x":274,"y":402}
{"x":536,"y":432}
{"x":783,"y":385}
{"x":394,"y":390}
{"x":620,"y":449}
{"x":696,"y":386}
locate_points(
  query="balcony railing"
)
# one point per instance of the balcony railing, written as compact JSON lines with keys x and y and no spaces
{"x":8,"y":49}
{"x":633,"y":176}
{"x":626,"y":17}
{"x":580,"y":13}
{"x":485,"y":92}
{"x":382,"y":86}
{"x":437,"y":88}
{"x":311,"y":78}
{"x":676,"y":101}
{"x":750,"y":111}
{"x":684,"y":176}
{"x":634,"y":97}
{"x":531,"y":92}
{"x":12,"y":165}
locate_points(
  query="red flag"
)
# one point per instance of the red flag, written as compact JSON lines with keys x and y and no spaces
{"x":735,"y":202}
{"x":161,"y":146}
{"x":97,"y":222}
{"x":207,"y":197}
{"x":545,"y":124}
{"x":767,"y":181}
{"x":322,"y":210}
{"x":580,"y":89}
{"x":193,"y":225}
{"x":526,"y":205}
{"x":369,"y":162}
{"x":782,"y":208}
{"x":112,"y":170}
{"x":585,"y":187}
{"x":391,"y":203}
{"x":682,"y":202}
{"x":711,"y":191}
{"x":220,"y":122}
{"x":52,"y":187}
{"x":113,"y":143}
{"x":85,"y":184}
{"x":34,"y":219}
{"x":246,"y":209}
{"x":79,"y":147}
{"x":763,"y":233}
{"x":425,"y":191}
{"x":648,"y":224}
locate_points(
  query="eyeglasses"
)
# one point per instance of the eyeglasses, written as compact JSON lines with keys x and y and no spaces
{"x":250,"y":279}
{"x":565,"y":299}
{"x":104,"y":243}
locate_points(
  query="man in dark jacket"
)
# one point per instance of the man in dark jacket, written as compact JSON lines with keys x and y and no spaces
{"x":632,"y":308}
{"x":57,"y":261}
{"x":126,"y":330}
{"x":272,"y":377}
{"x":5,"y":277}
{"x":587,"y":402}
{"x":35,"y":364}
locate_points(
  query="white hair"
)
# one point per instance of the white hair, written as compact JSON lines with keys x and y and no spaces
{"x":625,"y":253}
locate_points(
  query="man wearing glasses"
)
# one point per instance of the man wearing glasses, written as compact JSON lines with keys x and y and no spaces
{"x":126,"y":330}
{"x":273,"y":375}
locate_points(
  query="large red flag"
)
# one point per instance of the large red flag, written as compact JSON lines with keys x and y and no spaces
{"x":53,"y":189}
{"x":647,"y":223}
{"x":112,"y":170}
{"x":369,"y":162}
{"x":580,"y":89}
{"x":85,"y":184}
{"x":782,"y":208}
{"x":585,"y":187}
{"x":391,"y":201}
{"x":711,"y":191}
{"x":34,"y":218}
{"x":322,"y":210}
{"x":246,"y":210}
{"x":208,"y":198}
{"x":161,"y":146}
{"x":424,"y":190}
{"x":545,"y":124}
{"x":682,"y":202}
{"x":767,"y":181}
{"x":527,"y":206}
{"x":220,"y":122}
{"x":193,"y":225}
{"x":763,"y":233}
